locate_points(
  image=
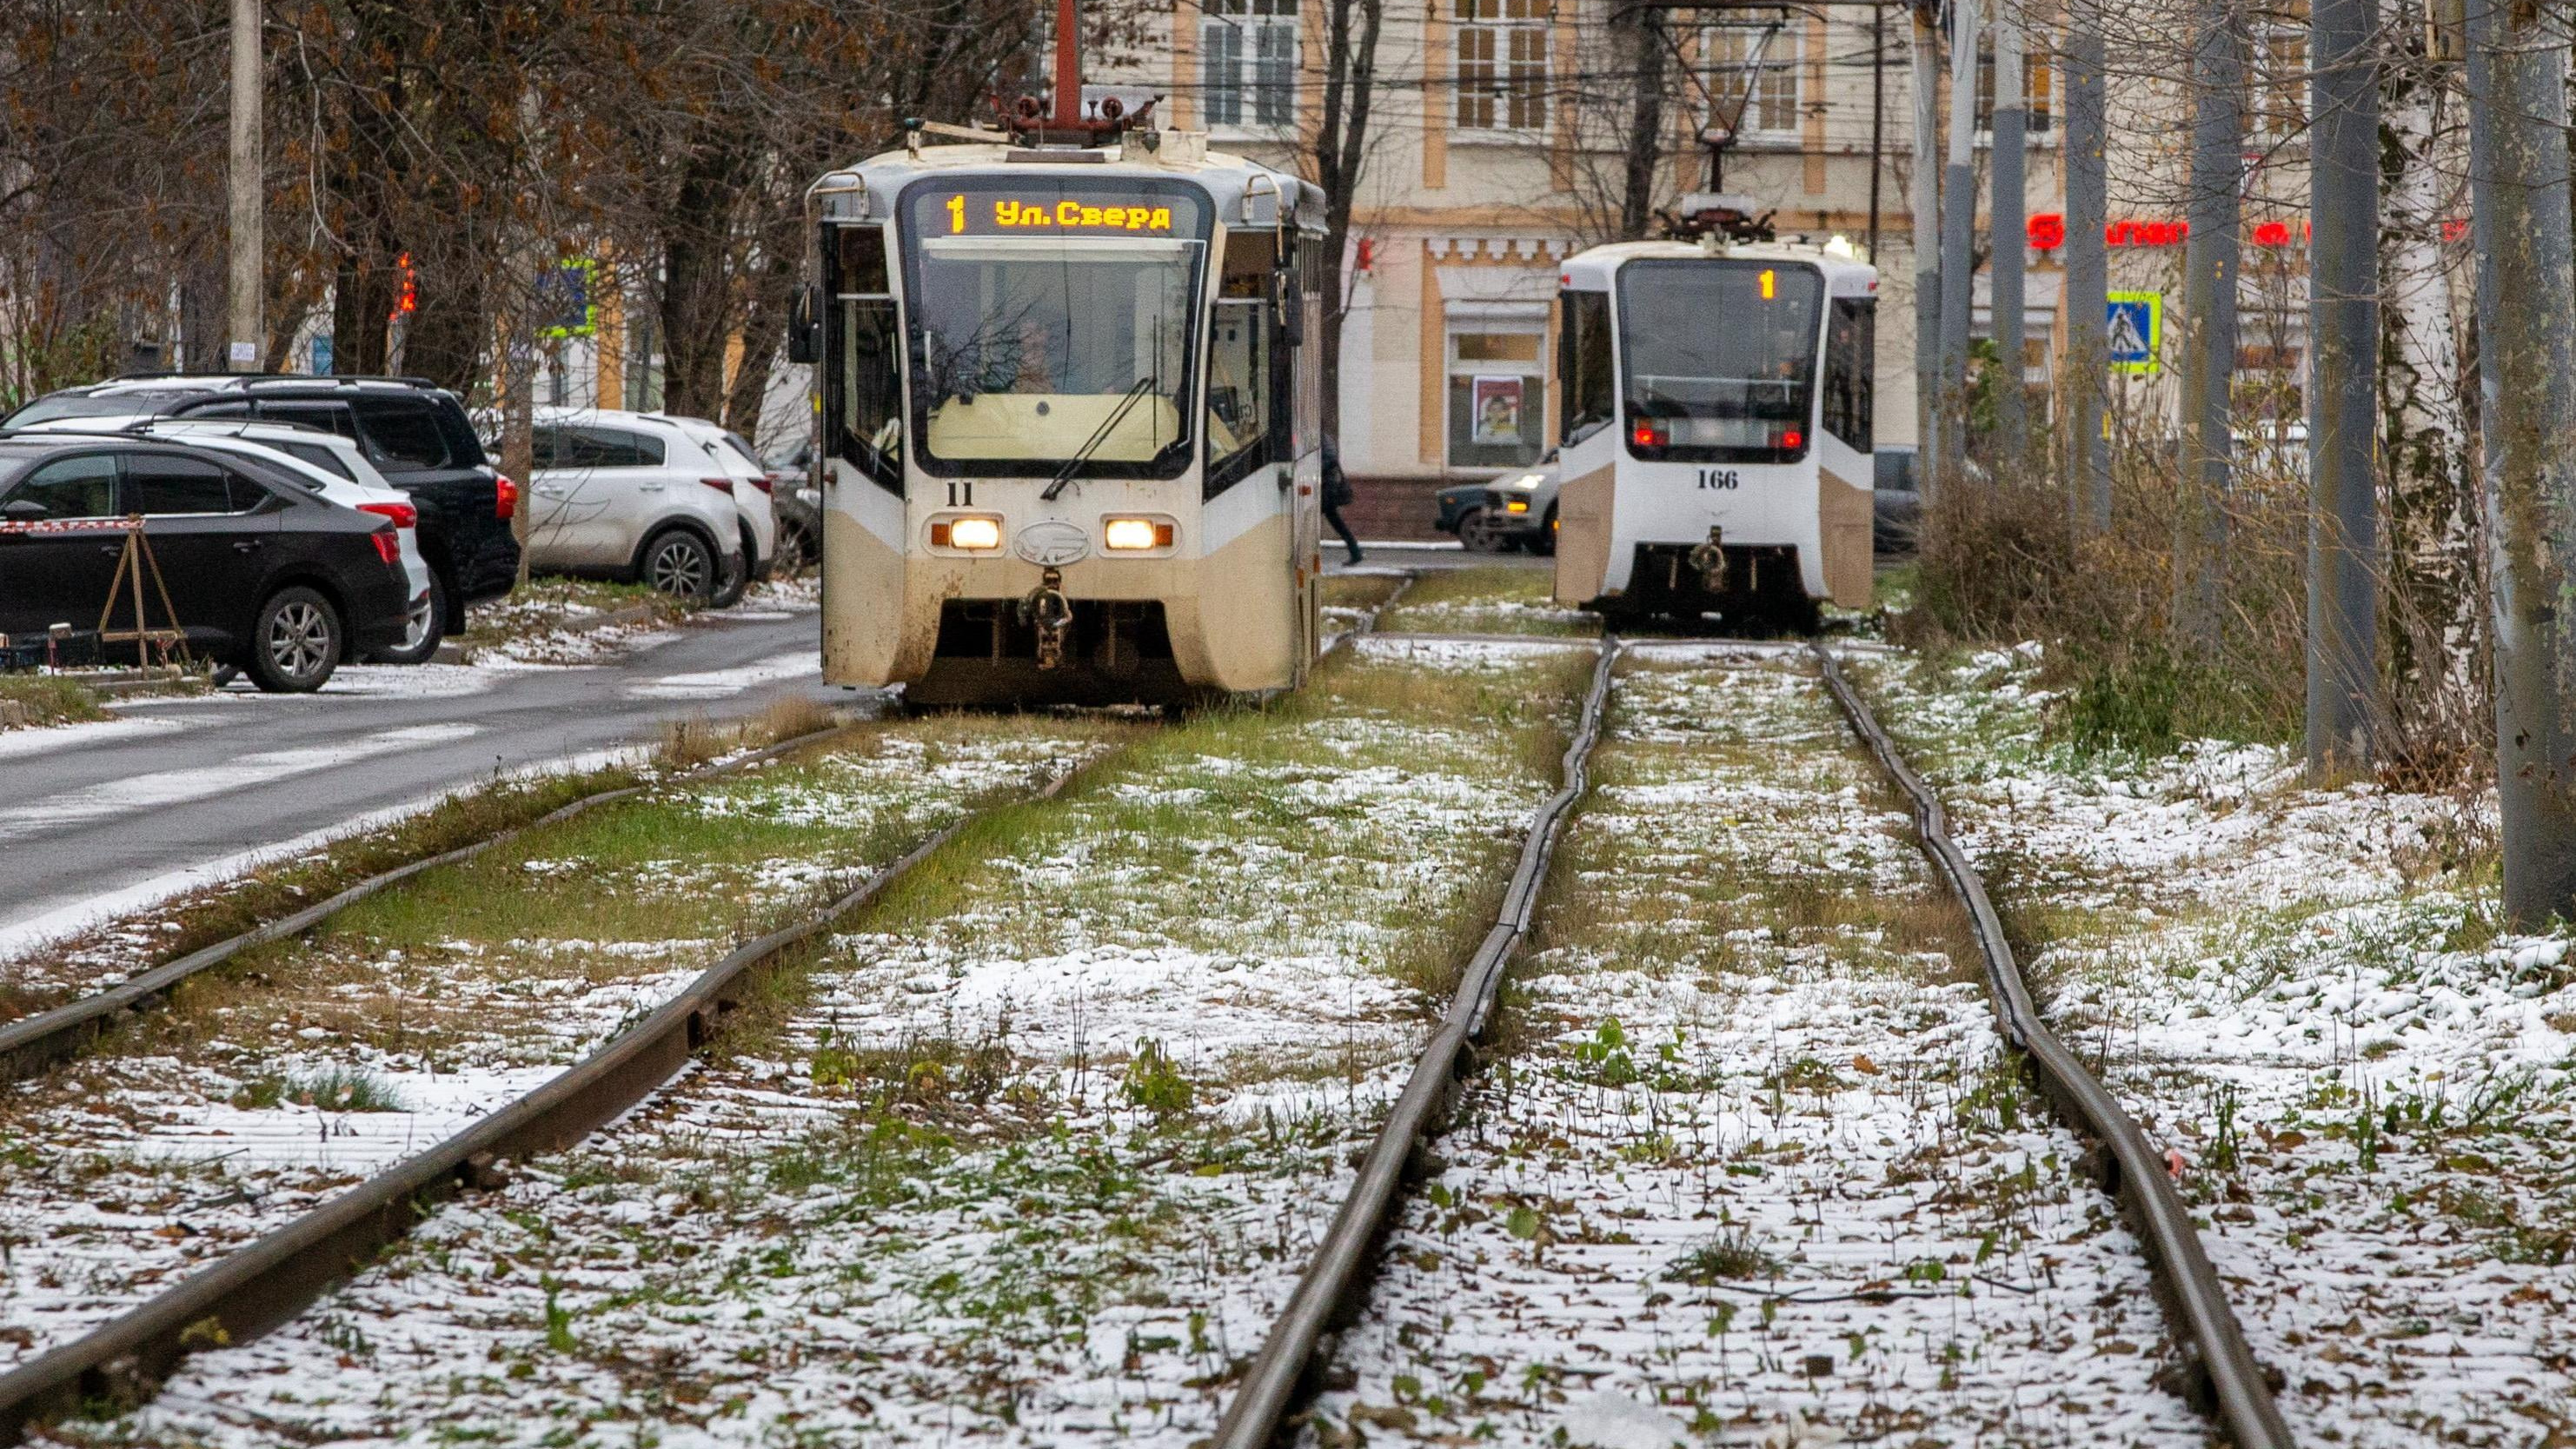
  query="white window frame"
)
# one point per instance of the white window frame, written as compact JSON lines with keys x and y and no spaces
{"x":1510,"y":45}
{"x":1248,"y":64}
{"x":2038,"y":95}
{"x":1778,"y":92}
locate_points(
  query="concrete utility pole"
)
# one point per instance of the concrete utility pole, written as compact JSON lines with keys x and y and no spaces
{"x":1924,"y":199}
{"x":2343,"y":324}
{"x":2087,"y":276}
{"x":1958,"y":237}
{"x":244,"y":328}
{"x":2527,"y":325}
{"x":2005,"y":226}
{"x":2210,"y":258}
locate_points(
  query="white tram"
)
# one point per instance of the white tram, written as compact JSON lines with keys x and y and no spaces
{"x":1715,"y":442}
{"x":1067,"y":410}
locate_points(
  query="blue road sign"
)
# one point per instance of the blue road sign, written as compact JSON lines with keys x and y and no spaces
{"x":2134,"y":329}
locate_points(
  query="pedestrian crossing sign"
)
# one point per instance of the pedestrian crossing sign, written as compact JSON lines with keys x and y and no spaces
{"x":2135,"y":330}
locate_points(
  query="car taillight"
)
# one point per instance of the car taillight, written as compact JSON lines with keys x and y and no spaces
{"x":721,"y":485}
{"x":505,"y":496}
{"x":764,"y":483}
{"x":403,"y":514}
{"x":388,"y":545}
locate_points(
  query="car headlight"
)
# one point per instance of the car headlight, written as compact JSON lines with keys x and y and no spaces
{"x":1130,"y":535}
{"x":973,"y":534}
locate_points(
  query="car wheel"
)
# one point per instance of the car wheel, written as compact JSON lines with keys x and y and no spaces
{"x":296,"y":643}
{"x":423,"y":627}
{"x":678,"y":563}
{"x":795,"y":550}
{"x":1478,"y":533}
{"x":737,"y":581}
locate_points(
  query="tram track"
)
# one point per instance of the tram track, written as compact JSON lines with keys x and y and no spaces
{"x":256,"y":1288}
{"x":34,"y":1043}
{"x":2223,"y":1379}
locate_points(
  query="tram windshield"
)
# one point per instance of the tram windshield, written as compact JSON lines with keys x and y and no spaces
{"x":1052,"y":326}
{"x":1718,"y":358}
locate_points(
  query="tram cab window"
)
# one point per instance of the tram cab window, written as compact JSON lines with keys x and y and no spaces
{"x":866,"y":408}
{"x":1720,"y":359}
{"x":1583,"y":366}
{"x":1851,"y":364}
{"x":1242,"y":375}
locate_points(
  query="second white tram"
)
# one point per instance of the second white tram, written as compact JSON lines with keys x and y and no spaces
{"x":1715,"y":442}
{"x":1067,"y":410}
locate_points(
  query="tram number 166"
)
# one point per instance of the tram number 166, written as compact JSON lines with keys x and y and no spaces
{"x":1720,"y":478}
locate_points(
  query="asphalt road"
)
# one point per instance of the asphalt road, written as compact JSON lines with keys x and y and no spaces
{"x":106,"y":816}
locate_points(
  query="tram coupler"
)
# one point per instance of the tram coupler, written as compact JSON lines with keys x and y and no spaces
{"x":1051,"y":613}
{"x":1710,"y":560}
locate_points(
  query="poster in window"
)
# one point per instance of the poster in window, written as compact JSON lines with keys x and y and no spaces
{"x":1498,"y":410}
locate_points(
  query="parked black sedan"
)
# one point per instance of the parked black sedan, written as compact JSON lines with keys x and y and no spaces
{"x":263,"y":575}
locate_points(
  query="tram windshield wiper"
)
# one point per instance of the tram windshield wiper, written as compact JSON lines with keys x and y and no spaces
{"x":1099,"y":435}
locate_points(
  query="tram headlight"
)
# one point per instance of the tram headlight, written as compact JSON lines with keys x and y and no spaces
{"x":1135,"y":535}
{"x":974,"y":535}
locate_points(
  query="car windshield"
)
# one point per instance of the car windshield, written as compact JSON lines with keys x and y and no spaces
{"x":1718,"y":357}
{"x":1039,"y":338}
{"x":90,"y":405}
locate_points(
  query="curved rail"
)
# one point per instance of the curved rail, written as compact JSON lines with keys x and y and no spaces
{"x":31,"y":1044}
{"x":1334,"y":1276}
{"x":265,"y":1284}
{"x":2231,"y":1382}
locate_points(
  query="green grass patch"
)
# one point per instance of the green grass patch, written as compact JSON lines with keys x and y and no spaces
{"x":1488,"y":599}
{"x":29,"y":701}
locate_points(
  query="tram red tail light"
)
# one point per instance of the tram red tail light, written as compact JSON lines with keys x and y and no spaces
{"x":1793,"y":439}
{"x":1649,"y":434}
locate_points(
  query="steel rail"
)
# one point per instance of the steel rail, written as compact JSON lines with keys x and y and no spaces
{"x":265,"y":1284}
{"x":2231,"y":1384}
{"x":32,"y":1044}
{"x":1337,"y":1273}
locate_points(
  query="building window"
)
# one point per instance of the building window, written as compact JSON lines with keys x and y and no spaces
{"x":1249,"y":51}
{"x":2037,"y":82}
{"x":1502,"y":65}
{"x":2278,"y":110}
{"x":1497,"y":394}
{"x":1754,"y":67}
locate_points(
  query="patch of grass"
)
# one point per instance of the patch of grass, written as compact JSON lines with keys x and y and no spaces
{"x":1491,"y":599}
{"x":334,"y":1089}
{"x":36,"y":700}
{"x":1732,"y":1255}
{"x":1359,"y":591}
{"x":549,"y":602}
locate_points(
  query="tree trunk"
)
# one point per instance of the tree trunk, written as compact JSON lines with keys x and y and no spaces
{"x":2086,"y":366}
{"x":1352,"y":28}
{"x":2436,"y":634}
{"x":2527,"y":301}
{"x":2343,"y":327}
{"x":2210,"y":259}
{"x":696,"y":318}
{"x":1641,"y":30}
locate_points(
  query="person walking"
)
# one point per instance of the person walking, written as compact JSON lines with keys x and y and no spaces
{"x":1337,"y":493}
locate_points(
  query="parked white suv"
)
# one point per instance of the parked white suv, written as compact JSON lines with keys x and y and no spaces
{"x":327,"y":464}
{"x":751,"y":495}
{"x":634,"y":497}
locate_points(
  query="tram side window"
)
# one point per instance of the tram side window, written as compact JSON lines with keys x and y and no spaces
{"x":871,"y":394}
{"x":1240,"y":387}
{"x":1851,"y":365}
{"x":1583,"y":360}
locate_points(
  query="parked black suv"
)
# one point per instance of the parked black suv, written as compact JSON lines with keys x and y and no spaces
{"x":414,"y":431}
{"x":263,"y":574}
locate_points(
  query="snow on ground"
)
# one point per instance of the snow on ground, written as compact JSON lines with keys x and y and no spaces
{"x":313,"y":1065}
{"x":1750,"y":1162}
{"x":2305,"y":991}
{"x":1037,"y":1157}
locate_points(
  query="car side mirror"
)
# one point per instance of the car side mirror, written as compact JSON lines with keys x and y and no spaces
{"x":24,"y":510}
{"x":803,"y":345}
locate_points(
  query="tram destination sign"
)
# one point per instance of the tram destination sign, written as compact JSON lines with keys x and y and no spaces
{"x":1047,"y":210}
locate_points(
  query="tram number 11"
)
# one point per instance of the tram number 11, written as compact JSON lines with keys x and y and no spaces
{"x":1719,"y":478}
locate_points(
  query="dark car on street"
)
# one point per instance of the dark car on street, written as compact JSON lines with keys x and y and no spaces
{"x":263,"y":575}
{"x":415,"y":432}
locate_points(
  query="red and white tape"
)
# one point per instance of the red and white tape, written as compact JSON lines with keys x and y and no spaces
{"x":73,"y":525}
